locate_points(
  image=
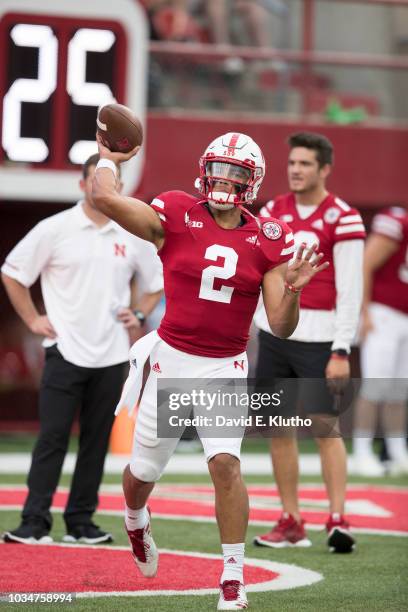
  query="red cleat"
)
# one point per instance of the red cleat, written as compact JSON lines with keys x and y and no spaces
{"x":287,"y":532}
{"x":144,"y":550}
{"x":232,"y":596}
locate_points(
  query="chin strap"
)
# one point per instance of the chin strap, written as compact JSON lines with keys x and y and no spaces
{"x":246,"y":211}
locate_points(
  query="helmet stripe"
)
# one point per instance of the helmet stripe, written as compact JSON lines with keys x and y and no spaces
{"x":233,"y":141}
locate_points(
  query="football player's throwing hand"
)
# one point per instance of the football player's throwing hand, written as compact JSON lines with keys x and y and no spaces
{"x":116,"y":157}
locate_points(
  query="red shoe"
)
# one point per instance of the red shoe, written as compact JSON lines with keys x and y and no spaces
{"x":232,"y":596}
{"x":287,"y":532}
{"x":144,"y":551}
{"x":340,"y":539}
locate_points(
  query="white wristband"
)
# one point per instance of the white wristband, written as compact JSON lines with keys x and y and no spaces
{"x":107,"y":163}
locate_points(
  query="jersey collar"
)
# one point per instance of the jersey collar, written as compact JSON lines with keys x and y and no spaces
{"x":315,"y":213}
{"x":84,"y":221}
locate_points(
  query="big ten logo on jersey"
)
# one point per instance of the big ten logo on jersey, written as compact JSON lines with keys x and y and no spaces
{"x":190,"y":223}
{"x":303,"y":236}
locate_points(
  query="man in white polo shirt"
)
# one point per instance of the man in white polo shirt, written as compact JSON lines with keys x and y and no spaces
{"x":86,"y":263}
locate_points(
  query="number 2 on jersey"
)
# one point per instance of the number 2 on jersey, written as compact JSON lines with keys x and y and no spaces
{"x":224,"y":293}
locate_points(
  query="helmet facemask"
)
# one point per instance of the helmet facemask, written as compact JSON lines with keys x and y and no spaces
{"x":231,"y":171}
{"x":225,"y":184}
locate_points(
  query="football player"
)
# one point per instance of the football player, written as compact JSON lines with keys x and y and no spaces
{"x":384,"y":350}
{"x":216,"y":257}
{"x":320,"y":346}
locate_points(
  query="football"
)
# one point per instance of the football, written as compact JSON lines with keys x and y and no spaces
{"x":119,"y":128}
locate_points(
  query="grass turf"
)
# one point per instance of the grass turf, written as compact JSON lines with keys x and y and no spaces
{"x":395,"y":481}
{"x":23,"y":442}
{"x":371,"y":579}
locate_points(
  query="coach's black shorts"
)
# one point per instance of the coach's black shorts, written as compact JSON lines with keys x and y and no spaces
{"x":297,"y":371}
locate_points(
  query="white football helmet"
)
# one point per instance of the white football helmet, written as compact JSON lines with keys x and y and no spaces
{"x":233,"y":161}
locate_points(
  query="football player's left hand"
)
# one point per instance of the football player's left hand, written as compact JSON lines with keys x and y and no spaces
{"x":303,"y":268}
{"x":127,"y":317}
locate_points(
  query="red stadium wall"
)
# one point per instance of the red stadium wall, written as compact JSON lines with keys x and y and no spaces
{"x":370,"y":165}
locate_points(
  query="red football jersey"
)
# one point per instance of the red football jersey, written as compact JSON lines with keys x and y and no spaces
{"x":390,"y":282}
{"x":331,"y":222}
{"x":213,"y":276}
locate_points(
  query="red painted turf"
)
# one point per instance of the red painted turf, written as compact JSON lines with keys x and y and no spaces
{"x":394,"y":501}
{"x":81,"y":569}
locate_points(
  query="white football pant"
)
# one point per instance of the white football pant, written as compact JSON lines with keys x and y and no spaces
{"x":151,"y":454}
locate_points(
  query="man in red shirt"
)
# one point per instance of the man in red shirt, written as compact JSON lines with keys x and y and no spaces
{"x":384,"y":350}
{"x":320,"y":346}
{"x":216,"y":257}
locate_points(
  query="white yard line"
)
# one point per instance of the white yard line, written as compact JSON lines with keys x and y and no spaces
{"x":252,"y":463}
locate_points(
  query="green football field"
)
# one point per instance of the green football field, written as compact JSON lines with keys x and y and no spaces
{"x":373,"y":578}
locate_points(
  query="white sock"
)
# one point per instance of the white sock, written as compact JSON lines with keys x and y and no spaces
{"x":136,"y":519}
{"x":397,"y":447}
{"x":233,"y":562}
{"x":362,"y":444}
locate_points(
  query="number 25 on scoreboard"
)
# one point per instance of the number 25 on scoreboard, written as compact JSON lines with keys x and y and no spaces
{"x":59,"y":64}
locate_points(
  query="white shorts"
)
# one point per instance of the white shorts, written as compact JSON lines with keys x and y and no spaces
{"x":151,"y":454}
{"x":384,"y":355}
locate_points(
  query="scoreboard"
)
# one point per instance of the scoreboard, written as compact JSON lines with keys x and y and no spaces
{"x":61,"y":60}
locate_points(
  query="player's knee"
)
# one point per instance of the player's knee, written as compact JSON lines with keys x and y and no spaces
{"x":225,"y":467}
{"x":145,"y":470}
{"x":324,"y":426}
